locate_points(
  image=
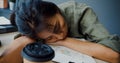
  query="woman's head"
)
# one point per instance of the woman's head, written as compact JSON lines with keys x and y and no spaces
{"x":40,"y":19}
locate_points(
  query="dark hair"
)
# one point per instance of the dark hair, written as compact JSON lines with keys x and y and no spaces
{"x":31,"y":16}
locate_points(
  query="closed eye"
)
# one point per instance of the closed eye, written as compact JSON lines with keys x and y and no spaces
{"x":49,"y":38}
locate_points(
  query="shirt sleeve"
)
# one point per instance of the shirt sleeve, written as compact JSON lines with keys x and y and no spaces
{"x":97,"y":32}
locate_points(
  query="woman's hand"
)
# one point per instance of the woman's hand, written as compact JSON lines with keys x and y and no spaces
{"x":59,"y":42}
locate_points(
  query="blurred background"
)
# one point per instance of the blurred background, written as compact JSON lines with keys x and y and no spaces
{"x":108,"y":12}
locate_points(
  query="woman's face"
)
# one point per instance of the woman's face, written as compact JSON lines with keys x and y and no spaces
{"x":59,"y":34}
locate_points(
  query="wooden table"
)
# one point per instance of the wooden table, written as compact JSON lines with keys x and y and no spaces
{"x":63,"y":54}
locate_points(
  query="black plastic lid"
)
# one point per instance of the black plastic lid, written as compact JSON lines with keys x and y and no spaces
{"x":38,"y":52}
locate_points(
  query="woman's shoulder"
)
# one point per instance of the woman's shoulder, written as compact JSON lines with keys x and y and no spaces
{"x":73,"y":5}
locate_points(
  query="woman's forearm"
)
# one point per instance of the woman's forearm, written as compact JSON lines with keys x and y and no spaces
{"x":13,"y":52}
{"x":92,"y":49}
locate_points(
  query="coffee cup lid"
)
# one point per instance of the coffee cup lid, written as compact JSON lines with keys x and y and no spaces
{"x":38,"y":52}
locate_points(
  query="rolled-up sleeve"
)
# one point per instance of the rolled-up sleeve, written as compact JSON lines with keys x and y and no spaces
{"x":91,"y":26}
{"x":112,"y":42}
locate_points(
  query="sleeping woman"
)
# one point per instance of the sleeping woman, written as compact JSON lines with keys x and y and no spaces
{"x":61,"y":25}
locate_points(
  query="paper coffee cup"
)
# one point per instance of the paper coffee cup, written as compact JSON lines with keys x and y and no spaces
{"x":37,"y":53}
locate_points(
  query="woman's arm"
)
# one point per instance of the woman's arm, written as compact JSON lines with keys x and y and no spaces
{"x":92,"y":49}
{"x":13,"y":52}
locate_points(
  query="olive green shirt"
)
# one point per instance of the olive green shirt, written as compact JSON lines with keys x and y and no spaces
{"x":81,"y":18}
